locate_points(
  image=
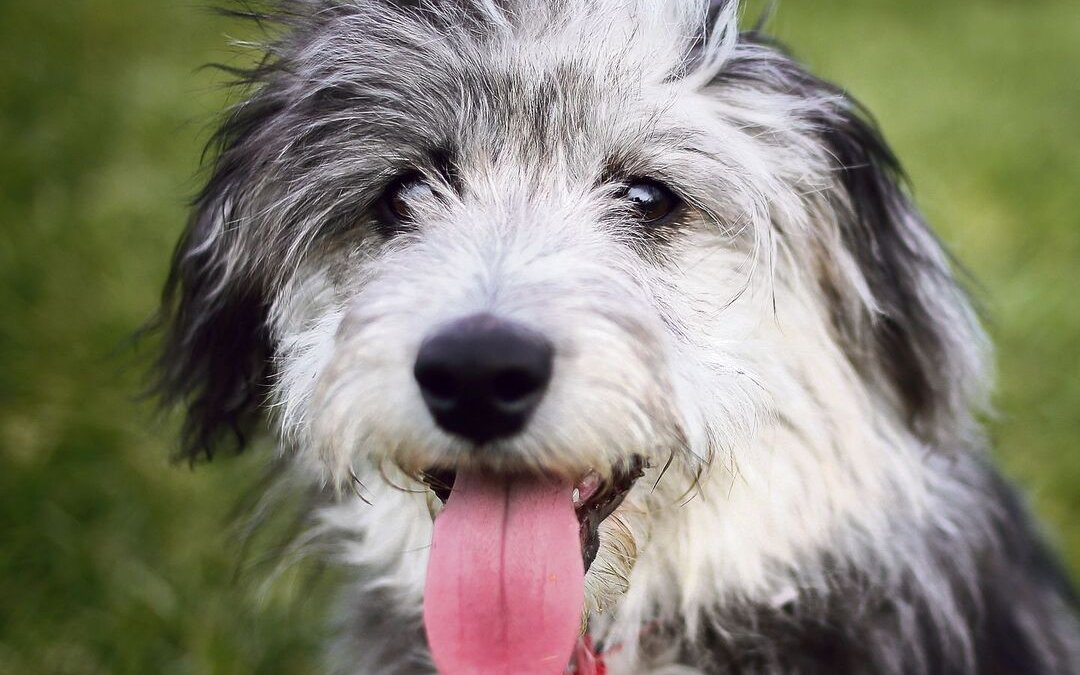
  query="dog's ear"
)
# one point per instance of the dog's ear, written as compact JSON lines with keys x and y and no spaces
{"x":215,"y":357}
{"x":918,"y":325}
{"x":898,"y":309}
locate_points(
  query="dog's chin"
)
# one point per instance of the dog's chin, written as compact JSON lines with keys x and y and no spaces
{"x":595,"y":498}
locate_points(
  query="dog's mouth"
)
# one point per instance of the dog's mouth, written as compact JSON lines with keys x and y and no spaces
{"x":505,"y":587}
{"x":594,"y":499}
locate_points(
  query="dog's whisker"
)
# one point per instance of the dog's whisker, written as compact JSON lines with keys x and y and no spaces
{"x":358,"y":486}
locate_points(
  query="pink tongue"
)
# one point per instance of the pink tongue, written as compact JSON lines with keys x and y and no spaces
{"x":505,"y":584}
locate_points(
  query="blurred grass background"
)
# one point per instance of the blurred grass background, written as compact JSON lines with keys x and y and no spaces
{"x":114,"y":561}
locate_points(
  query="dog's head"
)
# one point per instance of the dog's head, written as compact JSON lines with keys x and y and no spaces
{"x":582,"y":240}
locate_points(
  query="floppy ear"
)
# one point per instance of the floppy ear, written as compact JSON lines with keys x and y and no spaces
{"x":922,"y":329}
{"x":898,"y":309}
{"x":919,"y":328}
{"x":217,"y":350}
{"x":215,"y":356}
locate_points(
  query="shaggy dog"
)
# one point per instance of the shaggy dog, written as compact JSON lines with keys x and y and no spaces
{"x":647,"y":306}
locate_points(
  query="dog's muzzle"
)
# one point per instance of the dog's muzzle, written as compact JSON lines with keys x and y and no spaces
{"x":509,"y":550}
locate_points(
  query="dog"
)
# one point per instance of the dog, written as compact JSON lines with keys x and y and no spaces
{"x":615,"y":342}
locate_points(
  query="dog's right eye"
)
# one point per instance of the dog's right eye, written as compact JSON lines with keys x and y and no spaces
{"x":398,"y":203}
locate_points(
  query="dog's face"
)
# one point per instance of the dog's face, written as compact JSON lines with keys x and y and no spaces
{"x":535,"y":210}
{"x":589,"y":241}
{"x":533,"y":281}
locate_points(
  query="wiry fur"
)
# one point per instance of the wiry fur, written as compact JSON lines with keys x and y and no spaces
{"x":793,"y":357}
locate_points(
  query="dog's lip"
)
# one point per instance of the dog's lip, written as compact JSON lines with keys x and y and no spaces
{"x":591,"y":492}
{"x":594,"y":507}
{"x":595,"y":499}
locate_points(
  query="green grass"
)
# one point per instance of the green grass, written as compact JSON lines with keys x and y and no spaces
{"x":114,"y":561}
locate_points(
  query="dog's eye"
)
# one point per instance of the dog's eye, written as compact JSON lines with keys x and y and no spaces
{"x":653,"y":203}
{"x":398,"y":202}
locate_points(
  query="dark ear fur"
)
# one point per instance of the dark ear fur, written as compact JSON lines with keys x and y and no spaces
{"x":215,"y":360}
{"x":922,"y":334}
{"x":879,"y":229}
{"x":215,"y":355}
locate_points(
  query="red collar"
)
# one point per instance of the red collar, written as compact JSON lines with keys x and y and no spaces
{"x":587,"y":660}
{"x":590,"y":661}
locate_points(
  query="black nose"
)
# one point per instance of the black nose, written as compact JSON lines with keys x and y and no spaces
{"x":482,"y":377}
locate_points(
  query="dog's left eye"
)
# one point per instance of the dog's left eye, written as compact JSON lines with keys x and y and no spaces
{"x":398,"y":202}
{"x":653,"y":202}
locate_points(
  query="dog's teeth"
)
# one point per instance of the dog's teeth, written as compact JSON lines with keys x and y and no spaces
{"x":588,"y":487}
{"x":434,"y":504}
